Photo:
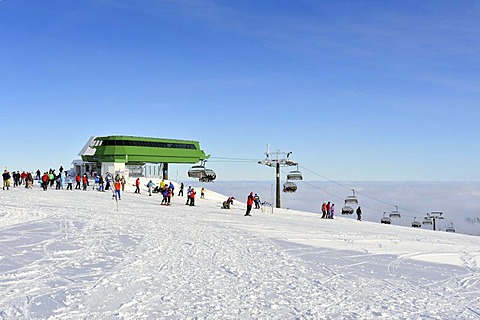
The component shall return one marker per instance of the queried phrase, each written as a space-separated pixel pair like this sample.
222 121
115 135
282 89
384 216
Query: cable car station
139 156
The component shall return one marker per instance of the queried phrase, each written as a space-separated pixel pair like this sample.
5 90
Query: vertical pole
165 171
271 197
433 223
278 184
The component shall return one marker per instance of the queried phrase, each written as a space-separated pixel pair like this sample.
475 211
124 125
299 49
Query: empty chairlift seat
294 175
395 213
196 171
427 221
450 229
351 200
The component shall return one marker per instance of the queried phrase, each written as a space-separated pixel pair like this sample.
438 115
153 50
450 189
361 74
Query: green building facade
137 156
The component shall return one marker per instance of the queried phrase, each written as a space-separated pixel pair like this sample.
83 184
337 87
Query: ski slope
72 255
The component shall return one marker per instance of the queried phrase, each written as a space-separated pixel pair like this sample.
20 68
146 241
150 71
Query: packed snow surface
76 255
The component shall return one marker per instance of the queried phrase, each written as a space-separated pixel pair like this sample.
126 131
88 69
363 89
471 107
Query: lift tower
434 215
277 159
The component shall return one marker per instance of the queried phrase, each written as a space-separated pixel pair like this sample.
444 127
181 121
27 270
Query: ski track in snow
72 255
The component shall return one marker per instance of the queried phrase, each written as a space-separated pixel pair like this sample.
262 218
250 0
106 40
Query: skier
192 197
332 211
69 182
227 203
359 214
181 190
100 184
85 182
256 198
250 200
118 187
123 181
188 195
45 181
150 185
6 179
77 180
324 210
202 193
137 186
96 183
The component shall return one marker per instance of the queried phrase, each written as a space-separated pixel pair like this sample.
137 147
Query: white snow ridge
72 255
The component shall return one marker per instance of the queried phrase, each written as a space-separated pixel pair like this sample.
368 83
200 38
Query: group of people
328 210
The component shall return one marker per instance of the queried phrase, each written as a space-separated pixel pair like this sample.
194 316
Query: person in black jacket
6 179
359 213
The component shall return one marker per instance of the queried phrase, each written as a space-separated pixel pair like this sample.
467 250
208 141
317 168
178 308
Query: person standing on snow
250 200
69 182
180 193
257 201
137 186
202 193
359 214
188 195
123 181
77 180
6 179
100 184
192 197
324 210
332 211
85 182
118 187
150 186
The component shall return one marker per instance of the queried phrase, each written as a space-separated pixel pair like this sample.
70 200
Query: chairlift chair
197 171
347 210
294 175
395 213
385 220
427 220
289 187
208 176
349 200
450 229
415 223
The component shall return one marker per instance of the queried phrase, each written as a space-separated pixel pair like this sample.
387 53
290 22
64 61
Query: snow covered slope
72 255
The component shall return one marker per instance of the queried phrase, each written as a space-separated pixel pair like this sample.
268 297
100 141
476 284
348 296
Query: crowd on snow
64 180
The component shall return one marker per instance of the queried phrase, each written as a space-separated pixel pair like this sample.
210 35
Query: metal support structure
277 201
434 215
277 162
165 171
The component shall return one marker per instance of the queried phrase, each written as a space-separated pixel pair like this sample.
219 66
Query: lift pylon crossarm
277 159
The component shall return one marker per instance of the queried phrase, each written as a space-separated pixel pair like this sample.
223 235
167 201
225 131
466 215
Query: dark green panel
139 150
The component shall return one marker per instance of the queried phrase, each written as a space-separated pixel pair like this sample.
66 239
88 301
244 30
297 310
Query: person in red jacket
137 186
192 197
250 200
45 179
85 181
118 187
78 179
324 210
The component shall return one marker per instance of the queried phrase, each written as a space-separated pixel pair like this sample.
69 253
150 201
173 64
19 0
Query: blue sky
357 90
